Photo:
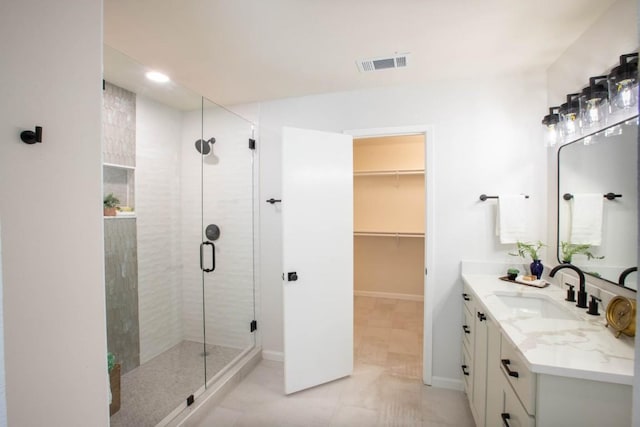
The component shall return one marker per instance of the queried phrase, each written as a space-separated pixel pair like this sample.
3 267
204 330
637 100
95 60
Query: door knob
292 276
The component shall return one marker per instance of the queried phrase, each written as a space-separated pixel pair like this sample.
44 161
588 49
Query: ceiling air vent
383 63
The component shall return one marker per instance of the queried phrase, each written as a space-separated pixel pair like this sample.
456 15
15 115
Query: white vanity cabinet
503 390
476 327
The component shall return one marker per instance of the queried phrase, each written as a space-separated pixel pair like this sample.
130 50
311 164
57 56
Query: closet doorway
389 252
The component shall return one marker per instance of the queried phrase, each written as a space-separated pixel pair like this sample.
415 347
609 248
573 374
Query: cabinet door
514 414
478 407
495 394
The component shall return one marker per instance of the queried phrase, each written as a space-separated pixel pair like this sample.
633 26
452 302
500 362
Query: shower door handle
213 257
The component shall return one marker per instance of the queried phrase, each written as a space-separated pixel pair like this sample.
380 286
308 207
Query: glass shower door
153 278
227 237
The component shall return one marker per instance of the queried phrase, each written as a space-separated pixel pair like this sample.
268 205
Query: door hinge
254 325
252 144
425 271
190 400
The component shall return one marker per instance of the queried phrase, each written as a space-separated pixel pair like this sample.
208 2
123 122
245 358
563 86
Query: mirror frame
559 196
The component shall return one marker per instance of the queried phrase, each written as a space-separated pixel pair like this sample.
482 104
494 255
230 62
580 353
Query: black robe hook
31 137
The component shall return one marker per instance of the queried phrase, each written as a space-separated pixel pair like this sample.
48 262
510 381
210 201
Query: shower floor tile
151 391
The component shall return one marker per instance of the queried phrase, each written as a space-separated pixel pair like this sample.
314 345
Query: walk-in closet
389 252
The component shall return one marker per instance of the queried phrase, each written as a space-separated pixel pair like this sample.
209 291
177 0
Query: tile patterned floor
384 390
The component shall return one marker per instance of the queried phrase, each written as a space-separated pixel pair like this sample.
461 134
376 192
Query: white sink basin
535 306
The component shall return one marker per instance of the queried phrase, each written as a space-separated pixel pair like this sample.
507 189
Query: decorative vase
109 211
537 268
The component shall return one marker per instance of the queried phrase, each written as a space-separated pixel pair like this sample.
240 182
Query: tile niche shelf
120 180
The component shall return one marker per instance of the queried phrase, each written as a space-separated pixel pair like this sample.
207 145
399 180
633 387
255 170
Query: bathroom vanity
530 358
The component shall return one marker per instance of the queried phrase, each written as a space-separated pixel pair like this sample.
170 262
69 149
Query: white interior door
317 223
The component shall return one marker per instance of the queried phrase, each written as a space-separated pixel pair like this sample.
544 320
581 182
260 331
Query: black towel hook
31 137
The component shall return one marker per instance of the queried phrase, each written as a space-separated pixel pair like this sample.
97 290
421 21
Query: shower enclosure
179 254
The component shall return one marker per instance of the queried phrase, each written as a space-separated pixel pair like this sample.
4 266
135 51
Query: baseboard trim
276 356
442 382
391 295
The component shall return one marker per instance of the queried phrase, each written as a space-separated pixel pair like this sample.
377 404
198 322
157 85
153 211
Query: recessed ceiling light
157 77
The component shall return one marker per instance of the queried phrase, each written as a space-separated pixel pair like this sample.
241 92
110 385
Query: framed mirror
598 203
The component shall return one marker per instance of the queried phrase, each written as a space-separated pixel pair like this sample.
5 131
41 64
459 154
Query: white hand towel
511 222
586 219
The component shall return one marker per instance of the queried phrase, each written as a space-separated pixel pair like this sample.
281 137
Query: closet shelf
389 172
387 234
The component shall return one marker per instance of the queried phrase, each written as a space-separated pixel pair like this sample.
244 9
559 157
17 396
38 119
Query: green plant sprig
110 201
570 249
528 249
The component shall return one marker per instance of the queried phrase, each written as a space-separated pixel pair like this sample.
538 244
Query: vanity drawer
466 371
521 379
514 414
467 329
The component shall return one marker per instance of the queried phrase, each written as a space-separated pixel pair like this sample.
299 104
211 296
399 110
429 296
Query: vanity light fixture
552 130
157 77
623 83
594 107
569 124
607 100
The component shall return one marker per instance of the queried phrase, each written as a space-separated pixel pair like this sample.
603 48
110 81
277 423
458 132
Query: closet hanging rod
608 196
389 172
387 234
484 197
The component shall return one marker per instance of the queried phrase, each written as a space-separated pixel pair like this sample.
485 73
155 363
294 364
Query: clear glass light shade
593 113
569 125
625 94
551 135
623 84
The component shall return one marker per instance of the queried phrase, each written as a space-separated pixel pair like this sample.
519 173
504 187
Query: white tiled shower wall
158 131
168 208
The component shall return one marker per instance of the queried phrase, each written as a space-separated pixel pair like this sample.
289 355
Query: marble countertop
578 348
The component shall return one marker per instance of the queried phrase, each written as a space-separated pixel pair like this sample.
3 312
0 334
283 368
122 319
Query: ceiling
240 51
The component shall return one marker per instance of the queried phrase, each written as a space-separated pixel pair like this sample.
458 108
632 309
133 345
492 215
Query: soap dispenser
593 306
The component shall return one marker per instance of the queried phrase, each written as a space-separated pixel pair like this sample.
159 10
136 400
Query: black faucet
582 293
625 273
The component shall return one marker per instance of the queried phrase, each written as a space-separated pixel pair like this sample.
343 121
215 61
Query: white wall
50 193
158 210
487 140
3 381
595 52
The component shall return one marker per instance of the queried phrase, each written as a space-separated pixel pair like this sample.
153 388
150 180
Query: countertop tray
540 285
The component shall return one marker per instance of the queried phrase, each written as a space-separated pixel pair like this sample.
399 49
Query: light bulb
569 124
551 135
593 112
626 95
